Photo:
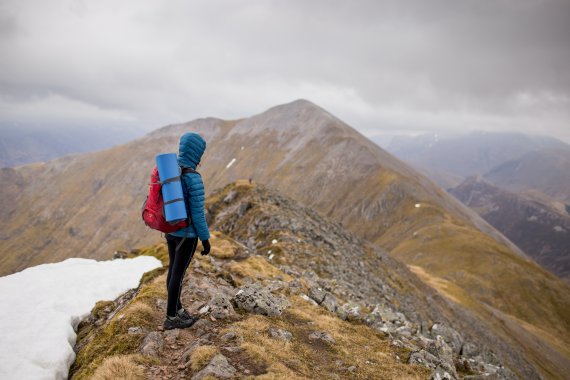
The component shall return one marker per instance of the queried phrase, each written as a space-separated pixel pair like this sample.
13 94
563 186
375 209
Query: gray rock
230 197
350 312
280 334
441 373
256 299
404 331
424 358
330 303
151 344
217 368
231 336
295 286
451 337
221 307
317 293
201 327
440 349
322 335
469 350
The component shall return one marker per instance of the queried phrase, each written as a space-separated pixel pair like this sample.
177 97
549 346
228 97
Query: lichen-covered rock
219 367
350 312
221 307
256 299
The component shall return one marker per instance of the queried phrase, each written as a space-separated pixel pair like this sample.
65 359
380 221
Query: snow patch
41 307
231 163
417 205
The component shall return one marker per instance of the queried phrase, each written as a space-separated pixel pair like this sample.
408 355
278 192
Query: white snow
231 163
40 308
274 241
417 205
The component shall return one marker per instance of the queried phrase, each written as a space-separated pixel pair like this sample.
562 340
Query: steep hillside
307 313
546 171
537 228
89 205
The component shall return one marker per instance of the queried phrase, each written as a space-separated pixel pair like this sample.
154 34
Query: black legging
179 261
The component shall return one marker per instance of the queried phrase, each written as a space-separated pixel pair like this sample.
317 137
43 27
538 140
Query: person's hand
206 245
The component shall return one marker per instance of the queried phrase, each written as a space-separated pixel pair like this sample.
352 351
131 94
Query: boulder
330 303
221 307
219 367
423 358
256 299
451 337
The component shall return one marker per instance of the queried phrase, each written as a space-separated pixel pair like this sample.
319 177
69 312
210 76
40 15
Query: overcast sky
382 66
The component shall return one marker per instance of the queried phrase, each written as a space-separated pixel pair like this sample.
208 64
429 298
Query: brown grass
257 267
202 356
119 367
356 345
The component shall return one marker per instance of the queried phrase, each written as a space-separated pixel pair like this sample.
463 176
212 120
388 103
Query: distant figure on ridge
182 243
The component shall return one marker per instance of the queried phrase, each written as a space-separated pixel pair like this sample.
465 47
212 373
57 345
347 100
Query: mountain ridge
341 174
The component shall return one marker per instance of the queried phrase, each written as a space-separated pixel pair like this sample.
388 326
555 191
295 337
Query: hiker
182 243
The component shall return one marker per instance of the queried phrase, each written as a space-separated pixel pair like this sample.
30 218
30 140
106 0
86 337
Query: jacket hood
192 147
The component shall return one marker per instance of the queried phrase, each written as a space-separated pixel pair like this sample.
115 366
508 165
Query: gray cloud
380 65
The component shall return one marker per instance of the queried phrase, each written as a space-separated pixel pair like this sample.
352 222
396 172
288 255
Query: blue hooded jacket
192 147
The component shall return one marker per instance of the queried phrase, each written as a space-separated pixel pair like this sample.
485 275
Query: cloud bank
382 66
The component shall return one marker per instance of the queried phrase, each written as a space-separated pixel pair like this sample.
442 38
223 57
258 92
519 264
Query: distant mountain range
536 227
21 144
470 154
88 205
546 171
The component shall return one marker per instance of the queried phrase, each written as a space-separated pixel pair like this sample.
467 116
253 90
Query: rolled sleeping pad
172 195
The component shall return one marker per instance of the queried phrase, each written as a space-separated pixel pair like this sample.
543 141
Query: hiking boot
177 322
182 313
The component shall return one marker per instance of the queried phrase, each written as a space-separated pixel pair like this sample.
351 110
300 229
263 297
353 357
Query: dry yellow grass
202 356
257 267
221 247
117 367
356 345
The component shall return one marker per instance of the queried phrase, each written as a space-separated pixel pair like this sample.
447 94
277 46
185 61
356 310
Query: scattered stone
217 368
201 327
256 299
451 337
349 312
221 307
135 330
423 358
351 368
151 344
440 373
280 334
317 293
330 303
322 335
120 255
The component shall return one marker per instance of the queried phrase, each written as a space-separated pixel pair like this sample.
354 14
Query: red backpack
153 207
